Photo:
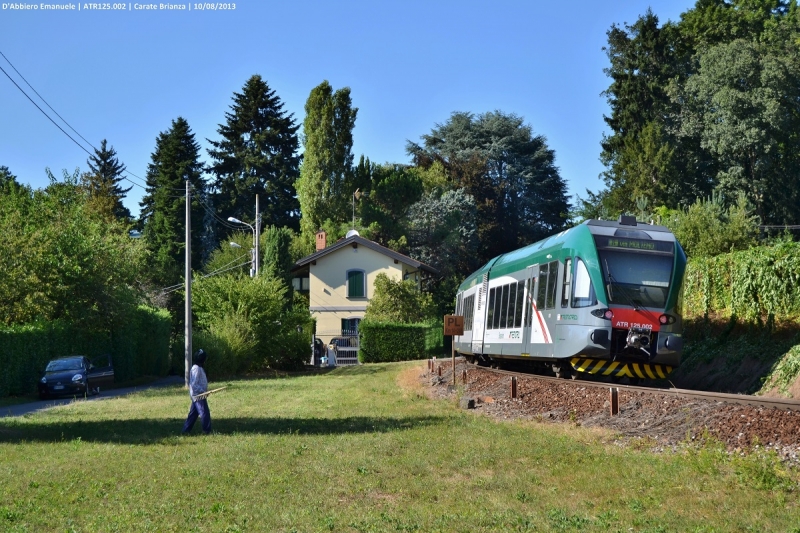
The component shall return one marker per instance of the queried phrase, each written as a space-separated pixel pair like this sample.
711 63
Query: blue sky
125 75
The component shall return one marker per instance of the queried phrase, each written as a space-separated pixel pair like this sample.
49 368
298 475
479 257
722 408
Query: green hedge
383 342
750 284
140 347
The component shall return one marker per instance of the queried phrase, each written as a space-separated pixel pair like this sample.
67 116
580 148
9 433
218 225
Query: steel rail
741 399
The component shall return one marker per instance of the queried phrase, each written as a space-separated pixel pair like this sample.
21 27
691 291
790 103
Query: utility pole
257 238
187 317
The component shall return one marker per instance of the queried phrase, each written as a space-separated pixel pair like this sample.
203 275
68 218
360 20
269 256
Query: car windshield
637 279
60 365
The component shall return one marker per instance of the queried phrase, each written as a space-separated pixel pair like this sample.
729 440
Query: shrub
748 284
139 346
383 342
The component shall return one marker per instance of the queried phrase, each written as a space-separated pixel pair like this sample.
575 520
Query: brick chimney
322 240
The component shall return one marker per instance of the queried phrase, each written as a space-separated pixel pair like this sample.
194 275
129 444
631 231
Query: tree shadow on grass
155 431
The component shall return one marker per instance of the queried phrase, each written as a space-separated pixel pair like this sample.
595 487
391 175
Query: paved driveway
25 408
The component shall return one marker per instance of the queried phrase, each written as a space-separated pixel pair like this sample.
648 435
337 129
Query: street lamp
254 251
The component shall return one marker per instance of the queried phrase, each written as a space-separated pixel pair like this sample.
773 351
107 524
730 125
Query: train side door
531 273
539 342
479 320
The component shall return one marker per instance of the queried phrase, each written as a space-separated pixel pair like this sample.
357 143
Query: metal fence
344 343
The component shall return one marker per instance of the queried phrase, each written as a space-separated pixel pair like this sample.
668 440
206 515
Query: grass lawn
359 449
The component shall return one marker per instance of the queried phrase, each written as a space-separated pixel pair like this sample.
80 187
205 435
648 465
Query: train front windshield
636 276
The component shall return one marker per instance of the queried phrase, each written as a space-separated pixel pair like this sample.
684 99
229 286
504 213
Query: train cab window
566 283
490 309
583 294
552 284
518 306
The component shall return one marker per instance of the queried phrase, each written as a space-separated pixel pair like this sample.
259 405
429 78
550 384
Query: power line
43 112
43 100
126 178
218 271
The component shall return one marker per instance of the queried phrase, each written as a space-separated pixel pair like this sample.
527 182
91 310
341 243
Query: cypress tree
326 177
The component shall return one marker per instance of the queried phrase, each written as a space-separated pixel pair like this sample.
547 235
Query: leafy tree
324 188
163 215
256 155
643 155
713 22
442 232
509 171
102 183
276 254
233 256
9 184
744 105
394 189
60 259
658 146
252 311
707 228
399 301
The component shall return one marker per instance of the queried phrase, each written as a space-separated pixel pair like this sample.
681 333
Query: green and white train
602 298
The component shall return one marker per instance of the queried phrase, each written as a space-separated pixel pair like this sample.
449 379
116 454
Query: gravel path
663 419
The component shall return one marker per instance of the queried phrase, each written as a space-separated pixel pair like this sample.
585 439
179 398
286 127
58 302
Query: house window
356 287
300 284
350 326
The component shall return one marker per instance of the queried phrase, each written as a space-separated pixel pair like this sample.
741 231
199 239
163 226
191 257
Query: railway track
664 417
740 399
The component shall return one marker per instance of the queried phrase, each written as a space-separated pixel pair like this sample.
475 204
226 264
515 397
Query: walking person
198 384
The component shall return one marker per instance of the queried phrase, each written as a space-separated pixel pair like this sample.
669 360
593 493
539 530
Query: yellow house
339 280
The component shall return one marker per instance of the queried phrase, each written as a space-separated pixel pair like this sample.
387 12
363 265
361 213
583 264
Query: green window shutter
355 284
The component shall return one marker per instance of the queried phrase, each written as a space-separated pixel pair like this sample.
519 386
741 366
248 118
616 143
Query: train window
519 304
552 283
531 282
566 283
635 278
469 303
542 290
583 294
490 310
500 300
512 301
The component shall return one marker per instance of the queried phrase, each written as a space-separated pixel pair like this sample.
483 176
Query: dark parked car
76 375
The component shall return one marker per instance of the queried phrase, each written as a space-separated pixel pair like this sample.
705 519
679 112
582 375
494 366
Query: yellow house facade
340 281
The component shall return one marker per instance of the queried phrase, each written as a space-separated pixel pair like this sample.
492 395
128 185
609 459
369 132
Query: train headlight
603 313
666 319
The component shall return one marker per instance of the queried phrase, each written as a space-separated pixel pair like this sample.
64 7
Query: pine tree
163 215
102 183
256 155
324 188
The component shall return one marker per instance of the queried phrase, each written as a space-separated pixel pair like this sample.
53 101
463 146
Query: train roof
576 237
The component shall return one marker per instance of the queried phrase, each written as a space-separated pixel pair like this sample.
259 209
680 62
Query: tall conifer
257 154
102 182
163 216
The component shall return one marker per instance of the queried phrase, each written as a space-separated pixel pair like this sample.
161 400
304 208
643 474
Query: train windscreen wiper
636 304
